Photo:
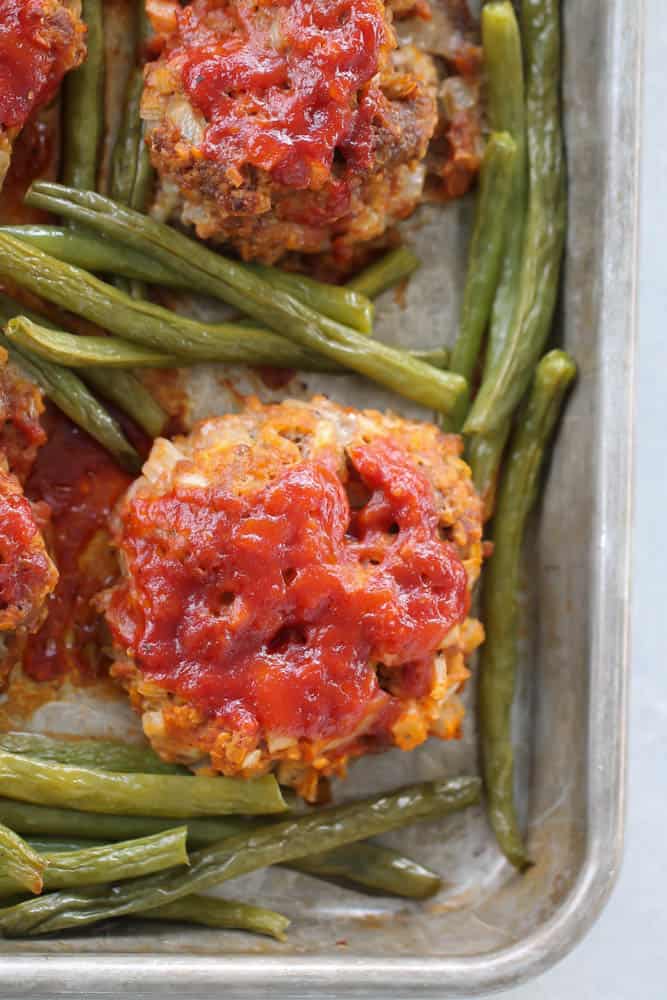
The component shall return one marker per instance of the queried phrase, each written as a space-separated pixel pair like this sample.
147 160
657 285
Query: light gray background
624 954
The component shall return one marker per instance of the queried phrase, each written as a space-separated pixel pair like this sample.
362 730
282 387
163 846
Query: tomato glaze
284 85
24 567
33 59
81 483
270 611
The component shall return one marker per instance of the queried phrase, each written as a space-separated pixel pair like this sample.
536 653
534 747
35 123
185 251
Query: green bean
84 104
124 161
71 396
252 295
86 250
336 301
20 863
500 590
110 862
544 235
135 794
51 845
226 914
103 755
390 270
276 843
80 351
38 335
129 394
377 868
361 864
485 258
503 61
143 323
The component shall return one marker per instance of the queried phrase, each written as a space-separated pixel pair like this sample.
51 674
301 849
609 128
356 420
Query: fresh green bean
272 844
485 258
102 755
226 914
136 794
108 863
362 864
503 60
71 396
544 236
20 863
129 394
79 351
88 251
387 272
84 104
500 590
254 296
339 302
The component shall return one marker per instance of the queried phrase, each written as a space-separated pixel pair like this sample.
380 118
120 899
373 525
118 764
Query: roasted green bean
129 394
143 323
108 863
544 236
84 104
19 863
71 396
361 864
339 302
125 154
254 296
500 591
226 914
46 783
387 272
88 251
485 258
503 60
272 844
79 351
102 755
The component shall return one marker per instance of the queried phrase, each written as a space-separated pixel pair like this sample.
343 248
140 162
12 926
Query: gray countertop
623 956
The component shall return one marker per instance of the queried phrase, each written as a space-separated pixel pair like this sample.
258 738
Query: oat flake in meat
295 588
290 126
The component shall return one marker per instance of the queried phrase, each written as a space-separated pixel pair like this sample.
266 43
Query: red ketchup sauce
284 85
23 568
266 610
31 66
80 483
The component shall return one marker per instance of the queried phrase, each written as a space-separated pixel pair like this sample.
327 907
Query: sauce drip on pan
80 483
284 86
272 610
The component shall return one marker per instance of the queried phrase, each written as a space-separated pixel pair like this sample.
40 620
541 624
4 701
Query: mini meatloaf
295 589
40 40
27 574
290 126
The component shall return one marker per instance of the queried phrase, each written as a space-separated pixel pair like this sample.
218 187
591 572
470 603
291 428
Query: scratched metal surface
488 927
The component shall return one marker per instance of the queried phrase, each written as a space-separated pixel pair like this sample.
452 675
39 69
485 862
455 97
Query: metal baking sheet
489 928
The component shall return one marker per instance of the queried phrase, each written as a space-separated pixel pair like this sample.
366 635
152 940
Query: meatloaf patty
40 40
27 574
295 588
289 126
